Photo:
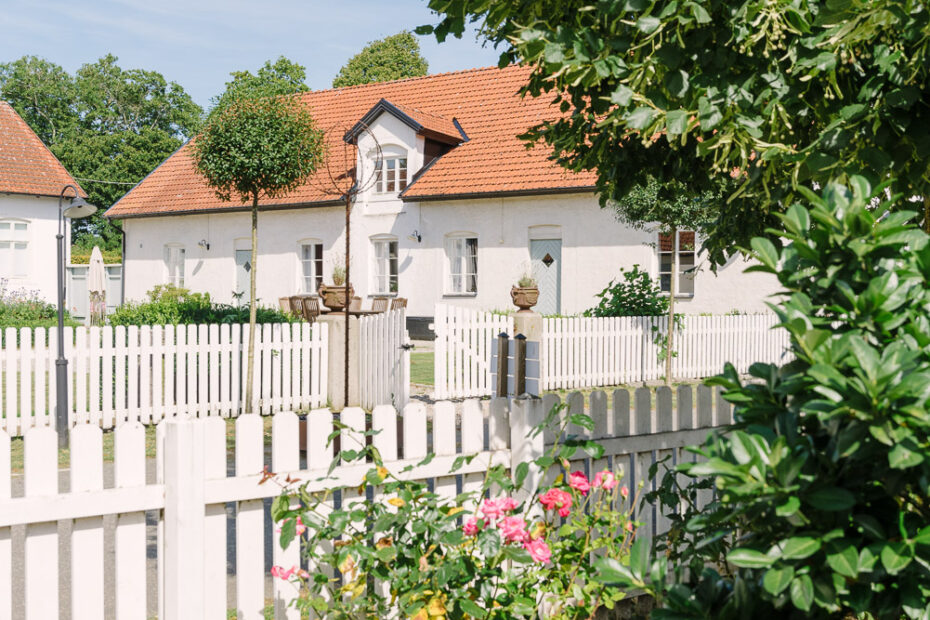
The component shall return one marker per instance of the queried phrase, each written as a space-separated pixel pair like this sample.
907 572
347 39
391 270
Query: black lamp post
77 209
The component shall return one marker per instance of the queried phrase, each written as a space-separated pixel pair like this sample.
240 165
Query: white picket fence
589 352
384 364
462 355
119 374
193 486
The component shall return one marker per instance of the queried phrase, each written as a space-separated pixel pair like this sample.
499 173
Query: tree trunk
927 213
250 365
348 298
670 333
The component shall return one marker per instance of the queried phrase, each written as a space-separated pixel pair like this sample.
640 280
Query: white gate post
184 520
526 413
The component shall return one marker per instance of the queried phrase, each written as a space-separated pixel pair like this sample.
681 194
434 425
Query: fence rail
463 350
384 364
193 486
118 374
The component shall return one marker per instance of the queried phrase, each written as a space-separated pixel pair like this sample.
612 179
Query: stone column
530 324
336 370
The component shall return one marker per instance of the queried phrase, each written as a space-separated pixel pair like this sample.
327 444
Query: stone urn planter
524 297
334 296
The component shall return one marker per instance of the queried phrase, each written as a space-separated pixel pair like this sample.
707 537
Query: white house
31 180
459 209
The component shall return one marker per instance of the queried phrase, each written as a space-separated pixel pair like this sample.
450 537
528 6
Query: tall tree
791 92
252 148
107 125
283 77
391 58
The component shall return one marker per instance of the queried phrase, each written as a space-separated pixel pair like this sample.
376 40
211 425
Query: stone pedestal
530 324
335 387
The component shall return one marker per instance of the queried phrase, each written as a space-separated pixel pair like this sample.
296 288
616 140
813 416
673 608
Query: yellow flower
436 607
396 501
455 511
420 615
383 472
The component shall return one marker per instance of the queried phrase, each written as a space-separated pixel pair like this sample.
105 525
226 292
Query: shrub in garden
823 486
22 308
634 293
412 553
172 305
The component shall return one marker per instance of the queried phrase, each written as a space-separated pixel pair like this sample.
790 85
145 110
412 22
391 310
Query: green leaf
799 547
288 531
676 122
765 252
802 592
489 542
831 499
471 608
639 557
790 507
901 457
843 558
517 554
677 83
622 95
640 118
648 24
777 579
896 556
749 558
612 572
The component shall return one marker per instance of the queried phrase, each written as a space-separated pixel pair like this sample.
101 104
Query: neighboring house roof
492 161
26 164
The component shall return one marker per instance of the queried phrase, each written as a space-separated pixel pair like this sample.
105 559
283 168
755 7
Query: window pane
686 241
402 174
318 264
472 265
665 243
665 282
392 258
665 263
4 226
20 259
686 284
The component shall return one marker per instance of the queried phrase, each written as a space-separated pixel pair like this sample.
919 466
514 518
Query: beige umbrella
97 287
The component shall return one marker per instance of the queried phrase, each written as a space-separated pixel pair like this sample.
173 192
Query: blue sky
198 42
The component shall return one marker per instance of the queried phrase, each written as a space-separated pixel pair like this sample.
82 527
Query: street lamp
77 209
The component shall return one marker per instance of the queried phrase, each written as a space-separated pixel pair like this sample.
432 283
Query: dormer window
392 177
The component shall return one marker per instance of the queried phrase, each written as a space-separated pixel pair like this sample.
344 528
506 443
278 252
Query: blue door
546 260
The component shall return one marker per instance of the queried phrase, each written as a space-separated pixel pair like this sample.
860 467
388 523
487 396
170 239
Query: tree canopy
283 77
104 123
777 95
391 58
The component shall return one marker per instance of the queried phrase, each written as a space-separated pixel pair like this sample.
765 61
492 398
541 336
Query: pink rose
299 529
624 492
471 527
557 499
280 573
491 509
605 480
629 526
578 481
514 529
507 504
538 549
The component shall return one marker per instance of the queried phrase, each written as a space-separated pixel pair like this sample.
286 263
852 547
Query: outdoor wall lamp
77 209
203 243
415 236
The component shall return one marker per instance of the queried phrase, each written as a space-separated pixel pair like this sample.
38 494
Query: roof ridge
357 87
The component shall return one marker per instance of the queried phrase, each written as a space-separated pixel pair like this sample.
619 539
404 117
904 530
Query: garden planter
524 298
334 297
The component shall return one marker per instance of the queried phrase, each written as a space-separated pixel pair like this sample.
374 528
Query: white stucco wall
41 214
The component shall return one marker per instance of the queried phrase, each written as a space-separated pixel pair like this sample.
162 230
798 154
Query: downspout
122 288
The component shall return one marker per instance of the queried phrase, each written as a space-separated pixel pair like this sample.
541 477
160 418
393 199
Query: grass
421 368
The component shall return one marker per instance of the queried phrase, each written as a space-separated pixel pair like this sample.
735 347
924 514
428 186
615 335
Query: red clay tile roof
483 101
26 165
433 122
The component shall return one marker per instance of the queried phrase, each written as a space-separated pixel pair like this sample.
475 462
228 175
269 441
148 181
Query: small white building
31 180
460 209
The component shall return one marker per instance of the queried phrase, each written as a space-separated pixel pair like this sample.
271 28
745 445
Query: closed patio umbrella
97 288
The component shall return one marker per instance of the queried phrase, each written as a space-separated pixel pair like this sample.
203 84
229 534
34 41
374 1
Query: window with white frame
311 266
392 177
14 249
384 251
462 264
174 265
684 245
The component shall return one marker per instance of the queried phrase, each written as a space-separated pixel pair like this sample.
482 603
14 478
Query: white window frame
309 269
461 268
384 266
392 177
174 255
688 271
15 237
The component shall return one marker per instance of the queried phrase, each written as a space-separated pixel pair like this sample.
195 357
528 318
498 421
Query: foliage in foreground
824 485
170 305
415 553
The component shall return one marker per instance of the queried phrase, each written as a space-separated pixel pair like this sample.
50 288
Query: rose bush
405 551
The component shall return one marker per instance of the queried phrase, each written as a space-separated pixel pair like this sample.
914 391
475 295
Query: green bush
171 305
823 485
634 293
22 308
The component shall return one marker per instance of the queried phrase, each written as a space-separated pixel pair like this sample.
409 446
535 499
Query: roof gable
485 103
27 166
432 126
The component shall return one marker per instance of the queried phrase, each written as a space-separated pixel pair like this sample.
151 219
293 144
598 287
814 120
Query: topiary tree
823 485
257 148
391 58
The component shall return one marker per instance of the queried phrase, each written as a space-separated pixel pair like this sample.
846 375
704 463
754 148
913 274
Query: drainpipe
122 288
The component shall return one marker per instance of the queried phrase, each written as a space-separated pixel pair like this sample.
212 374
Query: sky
197 43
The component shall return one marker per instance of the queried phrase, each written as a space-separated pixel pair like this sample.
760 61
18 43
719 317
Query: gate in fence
462 358
384 359
118 374
193 486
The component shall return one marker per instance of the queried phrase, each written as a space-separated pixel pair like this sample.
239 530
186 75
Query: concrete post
530 324
336 360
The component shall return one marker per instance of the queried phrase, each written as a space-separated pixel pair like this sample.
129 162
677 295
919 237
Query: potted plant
525 293
333 296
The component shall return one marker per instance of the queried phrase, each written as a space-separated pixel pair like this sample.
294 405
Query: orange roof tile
484 102
26 164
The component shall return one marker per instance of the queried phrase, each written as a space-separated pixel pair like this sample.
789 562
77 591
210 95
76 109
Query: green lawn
421 368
